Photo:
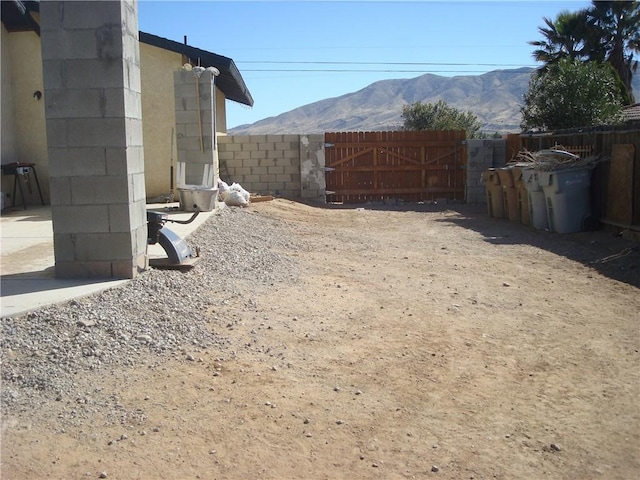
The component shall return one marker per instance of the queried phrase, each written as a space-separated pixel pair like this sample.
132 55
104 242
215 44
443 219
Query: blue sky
292 53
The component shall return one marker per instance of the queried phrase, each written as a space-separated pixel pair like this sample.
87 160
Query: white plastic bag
223 188
236 196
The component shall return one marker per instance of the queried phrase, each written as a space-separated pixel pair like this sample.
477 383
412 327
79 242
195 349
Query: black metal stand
22 169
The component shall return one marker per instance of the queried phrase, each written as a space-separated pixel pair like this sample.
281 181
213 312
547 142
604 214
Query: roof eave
230 81
16 16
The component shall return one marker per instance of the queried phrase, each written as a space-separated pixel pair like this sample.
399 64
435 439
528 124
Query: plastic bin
521 193
197 195
568 198
509 194
535 196
495 202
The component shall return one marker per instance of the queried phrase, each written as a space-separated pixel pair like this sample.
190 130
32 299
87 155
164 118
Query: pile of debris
556 158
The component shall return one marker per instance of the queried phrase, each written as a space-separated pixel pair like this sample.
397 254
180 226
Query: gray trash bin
536 200
568 198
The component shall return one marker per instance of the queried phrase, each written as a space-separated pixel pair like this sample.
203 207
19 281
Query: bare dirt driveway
408 342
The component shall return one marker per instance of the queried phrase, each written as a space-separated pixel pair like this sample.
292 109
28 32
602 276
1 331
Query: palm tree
564 37
617 26
608 32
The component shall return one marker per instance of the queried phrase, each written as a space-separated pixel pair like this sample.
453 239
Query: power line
373 70
340 70
278 62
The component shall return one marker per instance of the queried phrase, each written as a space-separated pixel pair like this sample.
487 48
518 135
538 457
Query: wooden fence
615 182
412 166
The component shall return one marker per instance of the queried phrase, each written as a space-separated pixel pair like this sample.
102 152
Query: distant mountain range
494 97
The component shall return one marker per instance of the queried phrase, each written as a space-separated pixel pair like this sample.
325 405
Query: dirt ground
421 342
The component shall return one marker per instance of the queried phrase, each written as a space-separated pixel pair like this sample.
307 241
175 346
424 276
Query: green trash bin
509 194
535 195
495 203
522 196
568 198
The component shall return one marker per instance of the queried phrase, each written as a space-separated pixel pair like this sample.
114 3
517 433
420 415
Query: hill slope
495 97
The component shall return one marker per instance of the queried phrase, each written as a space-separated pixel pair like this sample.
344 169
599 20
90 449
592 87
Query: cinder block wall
281 165
292 166
312 165
482 154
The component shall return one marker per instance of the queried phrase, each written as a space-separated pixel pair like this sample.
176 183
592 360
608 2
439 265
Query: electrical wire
372 70
271 62
311 70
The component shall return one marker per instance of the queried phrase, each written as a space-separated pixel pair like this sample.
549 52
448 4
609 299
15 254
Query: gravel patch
159 314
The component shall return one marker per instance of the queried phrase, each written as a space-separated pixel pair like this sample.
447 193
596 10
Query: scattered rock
103 475
158 313
555 447
435 468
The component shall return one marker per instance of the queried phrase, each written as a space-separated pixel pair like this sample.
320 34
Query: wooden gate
412 166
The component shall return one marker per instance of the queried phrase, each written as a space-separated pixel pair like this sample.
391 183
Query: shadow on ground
605 251
602 250
38 281
34 214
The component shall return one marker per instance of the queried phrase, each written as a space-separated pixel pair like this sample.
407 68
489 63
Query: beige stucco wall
29 142
23 117
8 131
221 112
158 116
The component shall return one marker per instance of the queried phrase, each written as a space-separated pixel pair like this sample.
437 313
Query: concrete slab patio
27 280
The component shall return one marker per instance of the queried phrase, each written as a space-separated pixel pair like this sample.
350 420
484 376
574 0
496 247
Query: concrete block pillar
312 173
479 158
195 123
91 67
